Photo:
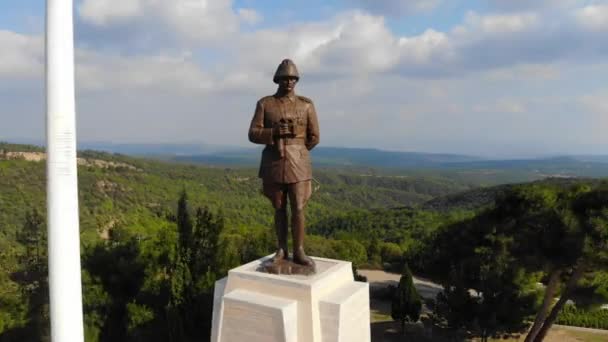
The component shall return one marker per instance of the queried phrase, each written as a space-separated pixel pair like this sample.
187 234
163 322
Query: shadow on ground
415 332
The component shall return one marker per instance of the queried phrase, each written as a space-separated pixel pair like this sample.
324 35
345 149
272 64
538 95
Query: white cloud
188 20
249 16
594 17
165 73
361 43
106 12
509 106
21 55
524 5
397 7
357 42
536 72
353 43
349 43
422 49
201 19
486 42
597 103
487 79
594 111
97 72
497 24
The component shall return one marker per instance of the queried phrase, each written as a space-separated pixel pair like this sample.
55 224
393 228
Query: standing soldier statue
287 124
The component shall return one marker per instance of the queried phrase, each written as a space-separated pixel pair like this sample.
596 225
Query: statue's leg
280 223
278 196
299 193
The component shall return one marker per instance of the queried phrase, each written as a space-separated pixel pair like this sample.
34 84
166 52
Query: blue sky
19 15
502 78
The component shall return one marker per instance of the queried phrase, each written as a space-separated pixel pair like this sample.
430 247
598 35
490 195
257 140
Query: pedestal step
328 306
344 314
255 317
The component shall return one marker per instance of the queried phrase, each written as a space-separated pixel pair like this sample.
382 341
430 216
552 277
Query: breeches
299 193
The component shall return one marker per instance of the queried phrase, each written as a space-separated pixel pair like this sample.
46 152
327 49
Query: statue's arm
258 134
312 128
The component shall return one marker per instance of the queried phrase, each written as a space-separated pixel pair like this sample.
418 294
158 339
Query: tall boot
280 224
298 232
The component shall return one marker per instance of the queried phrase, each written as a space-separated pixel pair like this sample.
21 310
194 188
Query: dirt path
591 330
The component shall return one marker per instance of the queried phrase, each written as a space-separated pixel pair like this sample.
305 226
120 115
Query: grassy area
380 311
391 332
380 317
564 335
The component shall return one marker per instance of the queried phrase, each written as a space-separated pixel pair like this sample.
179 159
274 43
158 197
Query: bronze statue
287 124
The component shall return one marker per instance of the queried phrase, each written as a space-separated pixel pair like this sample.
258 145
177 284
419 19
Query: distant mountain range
247 156
157 149
326 156
338 157
361 159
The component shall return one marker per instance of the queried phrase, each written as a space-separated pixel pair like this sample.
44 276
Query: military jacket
294 164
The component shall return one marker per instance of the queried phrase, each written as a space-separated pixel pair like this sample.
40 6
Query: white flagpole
62 184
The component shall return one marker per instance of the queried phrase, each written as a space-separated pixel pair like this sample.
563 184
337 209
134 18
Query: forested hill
156 235
134 193
411 227
128 192
478 198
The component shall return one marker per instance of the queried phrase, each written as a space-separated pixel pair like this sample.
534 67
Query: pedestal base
254 306
286 267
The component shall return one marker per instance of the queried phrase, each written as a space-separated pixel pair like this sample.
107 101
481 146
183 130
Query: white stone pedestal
329 306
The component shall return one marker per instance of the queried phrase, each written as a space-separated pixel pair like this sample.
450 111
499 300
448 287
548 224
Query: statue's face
288 83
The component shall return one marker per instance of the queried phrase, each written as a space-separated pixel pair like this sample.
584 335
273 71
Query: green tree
357 275
184 226
558 231
406 304
33 276
486 290
204 248
374 252
193 273
588 234
483 291
115 275
531 230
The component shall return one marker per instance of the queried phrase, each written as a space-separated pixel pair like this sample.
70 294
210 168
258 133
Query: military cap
286 69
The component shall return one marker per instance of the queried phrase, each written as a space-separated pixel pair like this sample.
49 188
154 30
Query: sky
493 78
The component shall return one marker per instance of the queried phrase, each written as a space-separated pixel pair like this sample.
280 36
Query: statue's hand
283 130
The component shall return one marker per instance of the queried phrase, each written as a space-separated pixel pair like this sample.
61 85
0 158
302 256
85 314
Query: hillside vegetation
129 205
156 235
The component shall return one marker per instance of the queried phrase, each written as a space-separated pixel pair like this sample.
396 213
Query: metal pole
62 184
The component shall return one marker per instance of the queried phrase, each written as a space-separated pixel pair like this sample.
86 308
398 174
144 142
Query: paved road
429 290
378 278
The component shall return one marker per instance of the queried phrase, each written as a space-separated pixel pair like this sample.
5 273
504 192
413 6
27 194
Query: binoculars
285 123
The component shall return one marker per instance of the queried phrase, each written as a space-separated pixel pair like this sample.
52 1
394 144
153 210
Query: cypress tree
184 227
407 304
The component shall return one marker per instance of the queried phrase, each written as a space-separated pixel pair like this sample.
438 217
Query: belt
294 141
